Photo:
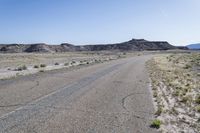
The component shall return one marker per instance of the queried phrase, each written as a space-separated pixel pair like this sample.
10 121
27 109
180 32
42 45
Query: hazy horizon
99 22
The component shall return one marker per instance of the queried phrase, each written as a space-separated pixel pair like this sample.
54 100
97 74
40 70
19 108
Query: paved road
112 97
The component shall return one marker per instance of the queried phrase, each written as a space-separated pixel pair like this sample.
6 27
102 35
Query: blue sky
99 21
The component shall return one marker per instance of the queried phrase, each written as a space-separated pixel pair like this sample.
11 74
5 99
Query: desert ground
14 65
176 91
134 92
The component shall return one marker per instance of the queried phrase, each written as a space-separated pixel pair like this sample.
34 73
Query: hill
132 45
194 46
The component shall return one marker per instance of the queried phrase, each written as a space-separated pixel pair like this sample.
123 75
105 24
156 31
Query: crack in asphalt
124 99
37 84
7 106
134 113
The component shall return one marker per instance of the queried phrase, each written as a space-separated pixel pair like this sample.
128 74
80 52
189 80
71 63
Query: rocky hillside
132 45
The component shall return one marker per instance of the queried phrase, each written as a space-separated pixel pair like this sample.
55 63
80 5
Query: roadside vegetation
176 90
12 65
43 65
156 123
56 64
36 66
21 68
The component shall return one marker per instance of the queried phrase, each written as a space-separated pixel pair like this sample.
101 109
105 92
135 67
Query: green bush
156 123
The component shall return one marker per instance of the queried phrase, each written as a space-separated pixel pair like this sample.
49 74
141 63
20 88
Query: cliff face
132 45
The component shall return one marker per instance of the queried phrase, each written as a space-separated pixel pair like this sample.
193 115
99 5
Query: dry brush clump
175 86
43 65
56 64
36 66
21 68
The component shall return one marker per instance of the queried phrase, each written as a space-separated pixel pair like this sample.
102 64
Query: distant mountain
132 45
182 47
194 46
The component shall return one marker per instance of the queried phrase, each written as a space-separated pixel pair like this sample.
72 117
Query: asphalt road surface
112 97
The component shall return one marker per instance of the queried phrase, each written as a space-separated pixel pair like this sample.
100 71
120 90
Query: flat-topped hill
132 45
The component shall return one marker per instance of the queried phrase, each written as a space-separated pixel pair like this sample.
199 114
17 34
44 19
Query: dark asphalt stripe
39 107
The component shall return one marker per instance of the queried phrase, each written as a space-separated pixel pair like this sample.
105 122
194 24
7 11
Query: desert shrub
197 99
66 64
73 62
186 99
36 66
198 109
187 66
176 93
159 111
183 93
56 63
155 94
43 65
156 123
41 71
87 63
21 68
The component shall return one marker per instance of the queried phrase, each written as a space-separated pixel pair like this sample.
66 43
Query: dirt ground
13 65
176 90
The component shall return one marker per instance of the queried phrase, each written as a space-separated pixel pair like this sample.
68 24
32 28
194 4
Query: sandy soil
176 89
10 64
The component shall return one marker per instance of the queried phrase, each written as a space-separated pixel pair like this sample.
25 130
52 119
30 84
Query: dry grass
176 85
